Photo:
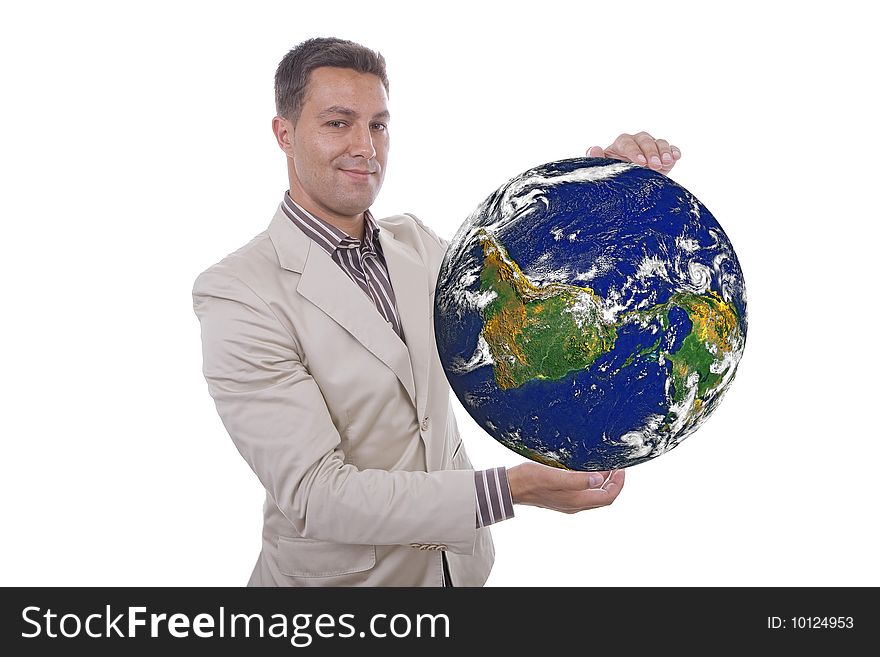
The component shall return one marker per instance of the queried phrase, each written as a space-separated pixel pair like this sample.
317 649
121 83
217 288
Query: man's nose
362 143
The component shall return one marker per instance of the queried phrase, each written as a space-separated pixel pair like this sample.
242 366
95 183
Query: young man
319 353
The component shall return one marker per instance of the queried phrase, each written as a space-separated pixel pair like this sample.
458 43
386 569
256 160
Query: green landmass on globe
547 331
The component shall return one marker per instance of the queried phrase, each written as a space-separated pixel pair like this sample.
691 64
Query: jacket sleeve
275 414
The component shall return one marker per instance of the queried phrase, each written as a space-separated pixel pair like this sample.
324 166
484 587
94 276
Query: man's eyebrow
347 111
337 109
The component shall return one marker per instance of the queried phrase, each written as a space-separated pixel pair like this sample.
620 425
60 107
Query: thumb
573 479
595 151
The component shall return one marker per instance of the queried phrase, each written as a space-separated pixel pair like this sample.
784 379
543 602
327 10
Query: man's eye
380 127
336 124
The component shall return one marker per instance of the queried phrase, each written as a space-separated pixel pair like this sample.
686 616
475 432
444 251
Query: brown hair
293 72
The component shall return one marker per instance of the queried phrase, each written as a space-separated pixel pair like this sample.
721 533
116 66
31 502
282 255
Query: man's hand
640 149
568 491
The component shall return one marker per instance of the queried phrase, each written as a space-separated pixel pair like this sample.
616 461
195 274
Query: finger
665 151
648 146
575 481
626 148
676 155
595 151
572 480
594 480
557 479
616 477
669 154
607 493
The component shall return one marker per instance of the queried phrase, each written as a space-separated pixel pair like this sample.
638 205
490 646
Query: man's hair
293 72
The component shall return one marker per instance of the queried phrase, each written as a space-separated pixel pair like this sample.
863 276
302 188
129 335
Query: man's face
340 143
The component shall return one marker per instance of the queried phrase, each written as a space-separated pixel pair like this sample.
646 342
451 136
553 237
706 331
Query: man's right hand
568 491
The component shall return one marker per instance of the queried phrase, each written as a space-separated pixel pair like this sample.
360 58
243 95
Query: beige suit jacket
351 432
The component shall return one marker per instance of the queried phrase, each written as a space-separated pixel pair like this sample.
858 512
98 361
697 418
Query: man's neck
353 227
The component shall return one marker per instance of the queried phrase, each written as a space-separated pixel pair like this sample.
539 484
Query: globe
590 314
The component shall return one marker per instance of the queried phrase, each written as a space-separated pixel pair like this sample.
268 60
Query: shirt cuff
494 501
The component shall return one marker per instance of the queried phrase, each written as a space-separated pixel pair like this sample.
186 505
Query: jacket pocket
306 557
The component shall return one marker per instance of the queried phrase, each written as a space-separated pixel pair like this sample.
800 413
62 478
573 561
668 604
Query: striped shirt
363 262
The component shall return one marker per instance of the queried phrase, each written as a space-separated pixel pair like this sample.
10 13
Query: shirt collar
326 234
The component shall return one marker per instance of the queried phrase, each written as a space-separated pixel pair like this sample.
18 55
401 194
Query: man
319 353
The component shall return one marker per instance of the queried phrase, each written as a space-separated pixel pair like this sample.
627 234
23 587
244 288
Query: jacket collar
325 285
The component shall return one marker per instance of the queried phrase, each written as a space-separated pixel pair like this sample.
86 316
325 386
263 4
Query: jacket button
425 424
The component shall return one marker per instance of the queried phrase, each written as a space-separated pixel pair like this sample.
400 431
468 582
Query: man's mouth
358 174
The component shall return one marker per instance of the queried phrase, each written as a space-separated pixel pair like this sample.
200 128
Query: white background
137 150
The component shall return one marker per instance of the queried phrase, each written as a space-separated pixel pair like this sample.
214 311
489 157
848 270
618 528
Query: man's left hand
641 149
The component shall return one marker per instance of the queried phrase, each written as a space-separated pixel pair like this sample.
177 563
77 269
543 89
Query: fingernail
641 158
595 481
667 158
655 160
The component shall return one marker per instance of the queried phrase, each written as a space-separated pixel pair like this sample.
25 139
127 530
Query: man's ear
283 130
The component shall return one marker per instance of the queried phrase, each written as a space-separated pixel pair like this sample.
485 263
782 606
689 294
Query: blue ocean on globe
590 314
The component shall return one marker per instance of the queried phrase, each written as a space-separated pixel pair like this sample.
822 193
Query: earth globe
590 314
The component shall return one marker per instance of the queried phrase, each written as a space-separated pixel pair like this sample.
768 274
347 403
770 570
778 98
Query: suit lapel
409 278
330 289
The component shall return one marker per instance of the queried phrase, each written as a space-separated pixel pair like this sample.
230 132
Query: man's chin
350 207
